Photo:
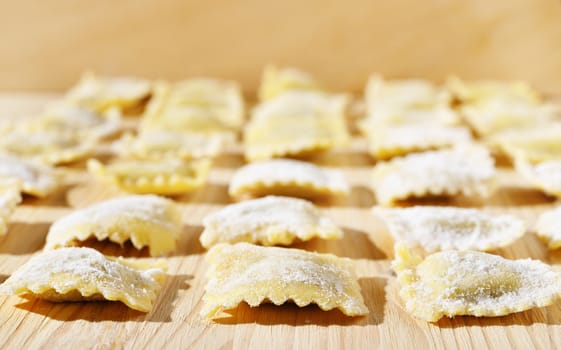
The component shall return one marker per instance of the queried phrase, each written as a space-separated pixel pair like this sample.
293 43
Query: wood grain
175 323
47 44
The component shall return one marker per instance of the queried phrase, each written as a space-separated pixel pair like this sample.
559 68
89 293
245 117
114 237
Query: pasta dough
444 228
464 169
546 175
287 177
145 220
456 283
270 220
84 274
169 177
245 272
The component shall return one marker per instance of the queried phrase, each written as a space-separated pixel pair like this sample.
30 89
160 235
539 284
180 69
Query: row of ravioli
264 278
456 280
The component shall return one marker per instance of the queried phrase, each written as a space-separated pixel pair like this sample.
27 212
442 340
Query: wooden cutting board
175 322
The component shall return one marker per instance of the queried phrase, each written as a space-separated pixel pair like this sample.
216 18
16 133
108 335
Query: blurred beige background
47 44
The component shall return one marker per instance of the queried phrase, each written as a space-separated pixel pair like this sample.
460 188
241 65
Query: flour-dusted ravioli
296 123
384 95
144 220
10 197
167 176
391 141
454 283
546 175
63 117
168 144
444 228
196 105
467 170
537 144
548 228
84 274
396 116
287 177
47 146
34 178
484 90
495 116
254 274
276 81
270 220
102 93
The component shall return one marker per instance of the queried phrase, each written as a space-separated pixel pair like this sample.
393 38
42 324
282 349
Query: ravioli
271 220
287 177
402 116
196 106
548 228
47 146
102 93
485 90
546 175
84 274
496 116
296 123
276 81
388 142
167 177
247 273
454 283
537 144
443 228
144 220
385 95
10 197
33 178
467 170
168 145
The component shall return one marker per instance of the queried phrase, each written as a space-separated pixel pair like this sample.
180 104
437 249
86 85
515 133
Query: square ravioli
10 197
102 93
545 176
454 283
398 116
254 274
166 176
467 170
496 116
385 95
484 90
270 220
276 81
294 124
443 228
287 177
196 105
386 142
64 118
84 274
157 145
47 146
536 144
144 220
548 228
33 178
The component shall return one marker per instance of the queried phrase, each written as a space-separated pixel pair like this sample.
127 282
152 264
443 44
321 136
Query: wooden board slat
175 323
